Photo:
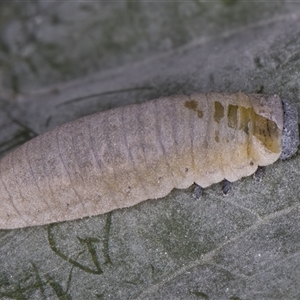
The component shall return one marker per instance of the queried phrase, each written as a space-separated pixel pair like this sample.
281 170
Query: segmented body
121 157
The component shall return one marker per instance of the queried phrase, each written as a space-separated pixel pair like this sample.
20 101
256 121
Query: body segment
124 156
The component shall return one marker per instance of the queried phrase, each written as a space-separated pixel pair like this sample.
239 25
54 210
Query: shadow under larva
123 156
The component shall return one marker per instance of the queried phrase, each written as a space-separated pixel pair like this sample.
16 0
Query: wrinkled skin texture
121 157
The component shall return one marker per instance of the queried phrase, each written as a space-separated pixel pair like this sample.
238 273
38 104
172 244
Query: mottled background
60 60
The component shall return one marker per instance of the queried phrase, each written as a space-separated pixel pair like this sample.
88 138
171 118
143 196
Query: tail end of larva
290 136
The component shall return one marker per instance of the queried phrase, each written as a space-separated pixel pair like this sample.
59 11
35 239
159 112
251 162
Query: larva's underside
126 155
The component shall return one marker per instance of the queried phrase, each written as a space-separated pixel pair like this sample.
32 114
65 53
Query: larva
126 155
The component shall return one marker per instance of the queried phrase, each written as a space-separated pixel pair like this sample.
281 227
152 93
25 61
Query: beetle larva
124 156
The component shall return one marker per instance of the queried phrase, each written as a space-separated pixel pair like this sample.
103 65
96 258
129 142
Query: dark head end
290 136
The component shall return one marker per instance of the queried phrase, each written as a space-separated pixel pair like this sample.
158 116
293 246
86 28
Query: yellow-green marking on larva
192 104
232 118
219 112
265 130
